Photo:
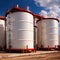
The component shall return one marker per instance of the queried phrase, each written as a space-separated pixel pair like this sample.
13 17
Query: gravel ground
49 56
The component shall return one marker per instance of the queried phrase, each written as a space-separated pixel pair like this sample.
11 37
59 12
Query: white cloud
51 14
47 3
52 8
43 13
42 2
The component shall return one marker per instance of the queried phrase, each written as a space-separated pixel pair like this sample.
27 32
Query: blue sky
8 4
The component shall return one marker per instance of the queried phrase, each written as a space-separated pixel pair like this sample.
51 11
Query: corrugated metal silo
19 29
48 33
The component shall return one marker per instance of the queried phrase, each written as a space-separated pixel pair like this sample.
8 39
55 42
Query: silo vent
17 6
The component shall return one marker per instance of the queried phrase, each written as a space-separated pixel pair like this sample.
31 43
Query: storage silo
2 32
35 37
19 29
48 33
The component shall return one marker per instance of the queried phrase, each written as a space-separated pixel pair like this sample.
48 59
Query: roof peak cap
17 5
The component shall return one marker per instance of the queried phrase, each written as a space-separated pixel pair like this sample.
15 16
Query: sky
8 4
47 8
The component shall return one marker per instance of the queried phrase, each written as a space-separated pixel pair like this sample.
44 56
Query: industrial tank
48 33
19 29
35 37
2 32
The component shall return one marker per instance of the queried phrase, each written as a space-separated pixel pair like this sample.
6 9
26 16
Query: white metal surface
19 30
59 40
2 33
48 33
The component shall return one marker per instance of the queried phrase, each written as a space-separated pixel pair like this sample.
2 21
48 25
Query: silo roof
52 18
17 9
38 16
49 18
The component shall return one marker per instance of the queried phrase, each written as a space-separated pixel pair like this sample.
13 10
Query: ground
49 56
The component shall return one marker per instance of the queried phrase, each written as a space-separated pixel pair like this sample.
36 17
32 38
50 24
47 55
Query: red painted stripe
20 49
51 18
16 9
2 17
48 19
49 47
